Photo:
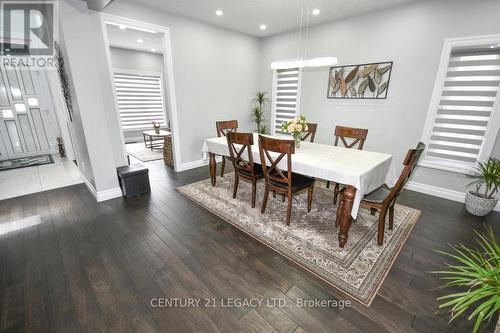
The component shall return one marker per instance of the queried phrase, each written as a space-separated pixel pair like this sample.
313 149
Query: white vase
479 206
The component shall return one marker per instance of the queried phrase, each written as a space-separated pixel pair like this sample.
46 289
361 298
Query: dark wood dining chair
244 169
311 132
343 134
384 198
279 180
224 127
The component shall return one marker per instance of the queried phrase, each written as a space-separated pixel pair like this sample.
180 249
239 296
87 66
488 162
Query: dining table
359 171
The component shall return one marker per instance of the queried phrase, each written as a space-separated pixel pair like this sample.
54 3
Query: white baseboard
112 193
192 165
440 192
101 196
196 164
90 187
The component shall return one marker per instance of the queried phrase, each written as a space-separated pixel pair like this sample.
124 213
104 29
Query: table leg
151 142
145 141
345 214
212 166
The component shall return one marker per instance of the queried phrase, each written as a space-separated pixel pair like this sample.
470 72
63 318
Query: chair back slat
270 164
410 162
358 134
311 132
223 127
238 143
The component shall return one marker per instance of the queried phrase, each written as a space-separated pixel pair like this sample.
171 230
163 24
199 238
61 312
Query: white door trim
168 74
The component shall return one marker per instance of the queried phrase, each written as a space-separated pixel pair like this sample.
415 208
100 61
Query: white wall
216 73
136 60
92 130
78 134
410 35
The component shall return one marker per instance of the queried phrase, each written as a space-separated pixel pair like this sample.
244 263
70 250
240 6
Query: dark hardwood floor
68 264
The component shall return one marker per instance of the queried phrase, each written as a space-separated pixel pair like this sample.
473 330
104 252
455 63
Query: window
20 107
32 101
7 113
140 100
286 96
462 125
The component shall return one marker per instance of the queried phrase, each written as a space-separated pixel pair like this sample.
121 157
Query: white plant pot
479 206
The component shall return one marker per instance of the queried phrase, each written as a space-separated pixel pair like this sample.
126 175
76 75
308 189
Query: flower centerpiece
156 126
295 127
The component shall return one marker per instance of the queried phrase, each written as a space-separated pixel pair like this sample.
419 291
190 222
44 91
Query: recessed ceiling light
263 27
316 11
153 50
121 26
219 12
140 40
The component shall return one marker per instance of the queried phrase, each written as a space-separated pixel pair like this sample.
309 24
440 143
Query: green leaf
477 272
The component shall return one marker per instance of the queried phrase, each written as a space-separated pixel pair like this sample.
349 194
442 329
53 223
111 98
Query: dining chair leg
274 194
289 208
309 198
336 193
381 227
327 184
254 192
373 211
391 217
236 183
223 165
264 200
283 197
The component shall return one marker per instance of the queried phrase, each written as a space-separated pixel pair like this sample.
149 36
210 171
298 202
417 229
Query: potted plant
258 108
487 178
296 127
477 273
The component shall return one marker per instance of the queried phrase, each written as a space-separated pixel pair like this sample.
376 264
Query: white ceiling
127 39
278 15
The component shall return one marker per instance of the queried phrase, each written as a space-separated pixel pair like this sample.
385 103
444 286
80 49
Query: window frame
274 93
140 73
493 124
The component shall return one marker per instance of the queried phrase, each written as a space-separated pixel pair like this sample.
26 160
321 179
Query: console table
154 139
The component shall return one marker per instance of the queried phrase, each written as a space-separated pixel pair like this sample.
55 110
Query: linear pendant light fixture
304 62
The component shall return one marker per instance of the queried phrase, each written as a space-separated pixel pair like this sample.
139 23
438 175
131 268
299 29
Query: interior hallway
22 181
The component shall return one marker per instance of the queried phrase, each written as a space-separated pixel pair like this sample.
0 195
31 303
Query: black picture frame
362 83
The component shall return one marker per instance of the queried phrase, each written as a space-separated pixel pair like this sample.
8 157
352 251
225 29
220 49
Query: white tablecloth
365 170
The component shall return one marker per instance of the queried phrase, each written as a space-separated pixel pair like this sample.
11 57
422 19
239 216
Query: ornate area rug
357 270
24 162
142 153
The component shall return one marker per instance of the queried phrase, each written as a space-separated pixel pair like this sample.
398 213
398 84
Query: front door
25 127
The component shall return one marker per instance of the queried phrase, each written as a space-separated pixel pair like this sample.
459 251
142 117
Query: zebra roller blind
466 105
286 96
140 100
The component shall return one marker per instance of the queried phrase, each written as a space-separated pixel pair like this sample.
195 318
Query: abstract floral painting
366 81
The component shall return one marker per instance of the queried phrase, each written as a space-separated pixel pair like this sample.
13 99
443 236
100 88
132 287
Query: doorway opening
140 63
36 149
